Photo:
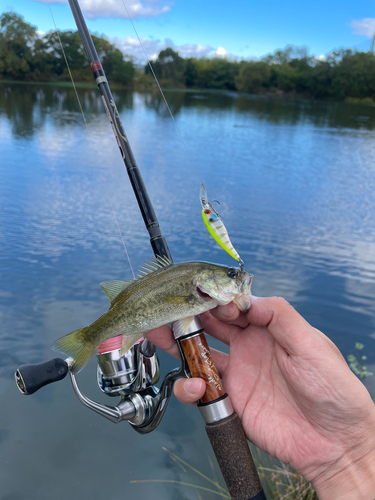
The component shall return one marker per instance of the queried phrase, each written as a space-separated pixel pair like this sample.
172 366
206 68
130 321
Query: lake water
296 182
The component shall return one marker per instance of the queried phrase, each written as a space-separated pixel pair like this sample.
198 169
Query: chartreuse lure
215 226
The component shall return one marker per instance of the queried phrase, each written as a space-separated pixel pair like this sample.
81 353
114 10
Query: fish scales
169 294
142 308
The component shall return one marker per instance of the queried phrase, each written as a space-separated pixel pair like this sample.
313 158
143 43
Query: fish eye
232 273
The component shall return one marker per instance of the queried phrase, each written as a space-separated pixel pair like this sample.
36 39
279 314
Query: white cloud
93 9
364 27
221 52
193 50
131 46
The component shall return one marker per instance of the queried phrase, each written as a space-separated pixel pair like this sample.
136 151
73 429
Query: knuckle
281 303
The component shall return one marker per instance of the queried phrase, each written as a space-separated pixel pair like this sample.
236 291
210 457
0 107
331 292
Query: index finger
284 323
163 338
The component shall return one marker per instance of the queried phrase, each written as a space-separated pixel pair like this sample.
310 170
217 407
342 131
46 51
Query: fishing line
91 141
215 227
161 91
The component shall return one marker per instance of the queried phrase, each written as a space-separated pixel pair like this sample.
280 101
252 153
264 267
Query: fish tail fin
76 346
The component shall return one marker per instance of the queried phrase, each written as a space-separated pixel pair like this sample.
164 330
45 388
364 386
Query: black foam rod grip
232 452
31 378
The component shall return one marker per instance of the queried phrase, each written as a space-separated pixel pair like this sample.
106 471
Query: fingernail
227 311
193 386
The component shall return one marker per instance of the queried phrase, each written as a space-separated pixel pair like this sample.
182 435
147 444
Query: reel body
131 377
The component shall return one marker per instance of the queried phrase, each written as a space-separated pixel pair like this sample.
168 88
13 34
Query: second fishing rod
223 426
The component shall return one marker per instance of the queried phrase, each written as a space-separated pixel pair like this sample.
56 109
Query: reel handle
31 378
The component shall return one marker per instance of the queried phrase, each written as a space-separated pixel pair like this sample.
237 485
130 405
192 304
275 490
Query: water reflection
27 107
308 191
296 183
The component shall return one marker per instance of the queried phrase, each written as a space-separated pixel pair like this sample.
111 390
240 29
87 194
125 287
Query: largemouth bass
166 293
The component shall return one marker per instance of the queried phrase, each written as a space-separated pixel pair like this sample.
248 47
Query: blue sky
242 28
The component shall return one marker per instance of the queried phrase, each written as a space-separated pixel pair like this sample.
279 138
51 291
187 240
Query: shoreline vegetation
27 57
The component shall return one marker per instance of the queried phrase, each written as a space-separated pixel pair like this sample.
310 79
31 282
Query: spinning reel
131 377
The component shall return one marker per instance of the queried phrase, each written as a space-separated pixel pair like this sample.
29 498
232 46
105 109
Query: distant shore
365 101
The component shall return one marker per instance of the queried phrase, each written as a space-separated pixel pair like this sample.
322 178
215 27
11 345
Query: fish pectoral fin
177 299
181 326
113 288
128 341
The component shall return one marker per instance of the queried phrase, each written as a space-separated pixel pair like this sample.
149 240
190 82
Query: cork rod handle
234 458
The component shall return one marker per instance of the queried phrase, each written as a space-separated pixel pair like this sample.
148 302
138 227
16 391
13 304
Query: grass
365 101
62 84
279 481
356 366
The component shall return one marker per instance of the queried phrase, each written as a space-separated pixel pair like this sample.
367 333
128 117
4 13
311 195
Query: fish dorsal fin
113 288
154 264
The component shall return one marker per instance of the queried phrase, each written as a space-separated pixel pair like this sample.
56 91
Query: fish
166 292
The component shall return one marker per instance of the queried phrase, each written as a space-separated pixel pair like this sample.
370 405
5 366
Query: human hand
294 392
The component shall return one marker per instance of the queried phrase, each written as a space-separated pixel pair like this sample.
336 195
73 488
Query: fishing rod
133 375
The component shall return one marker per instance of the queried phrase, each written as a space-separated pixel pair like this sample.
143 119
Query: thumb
189 390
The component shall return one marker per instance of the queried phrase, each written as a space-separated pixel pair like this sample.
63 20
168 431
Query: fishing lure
215 226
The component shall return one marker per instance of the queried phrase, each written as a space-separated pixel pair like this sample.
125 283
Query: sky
244 29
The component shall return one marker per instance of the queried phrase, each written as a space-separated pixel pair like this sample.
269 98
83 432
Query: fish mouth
245 286
243 302
205 296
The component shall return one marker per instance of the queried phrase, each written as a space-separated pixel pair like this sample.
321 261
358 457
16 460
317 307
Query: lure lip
203 196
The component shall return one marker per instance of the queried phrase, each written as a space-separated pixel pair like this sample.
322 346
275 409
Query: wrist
352 477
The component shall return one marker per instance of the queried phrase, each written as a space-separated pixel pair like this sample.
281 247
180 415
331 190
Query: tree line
344 73
25 55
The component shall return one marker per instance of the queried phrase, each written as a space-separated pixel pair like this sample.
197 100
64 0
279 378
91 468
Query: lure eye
207 211
232 273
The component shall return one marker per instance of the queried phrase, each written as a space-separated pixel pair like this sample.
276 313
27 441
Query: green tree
118 67
319 80
169 66
254 77
287 55
222 74
190 73
24 55
54 57
284 77
354 75
17 40
216 73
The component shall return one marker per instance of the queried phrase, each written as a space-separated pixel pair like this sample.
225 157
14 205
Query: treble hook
216 212
241 266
